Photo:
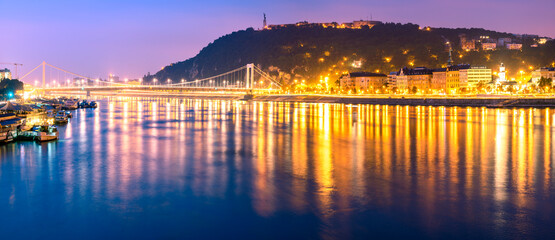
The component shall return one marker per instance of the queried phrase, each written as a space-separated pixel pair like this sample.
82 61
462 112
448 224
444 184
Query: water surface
155 168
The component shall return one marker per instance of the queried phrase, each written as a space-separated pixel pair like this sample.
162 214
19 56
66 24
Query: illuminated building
392 80
514 46
467 44
543 72
5 74
448 79
439 79
502 42
408 78
352 25
543 40
489 46
470 77
363 80
502 77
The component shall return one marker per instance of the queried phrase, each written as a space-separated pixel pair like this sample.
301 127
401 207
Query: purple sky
129 38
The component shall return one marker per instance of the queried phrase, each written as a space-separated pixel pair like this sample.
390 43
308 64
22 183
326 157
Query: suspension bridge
248 78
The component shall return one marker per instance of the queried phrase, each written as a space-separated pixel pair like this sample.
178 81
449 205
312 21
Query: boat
61 117
69 114
70 105
43 133
85 104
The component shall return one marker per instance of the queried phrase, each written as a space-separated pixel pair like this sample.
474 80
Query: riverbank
416 101
474 101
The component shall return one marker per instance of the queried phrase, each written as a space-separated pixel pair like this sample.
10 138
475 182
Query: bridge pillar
249 77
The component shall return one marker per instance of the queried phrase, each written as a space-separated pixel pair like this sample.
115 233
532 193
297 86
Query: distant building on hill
351 25
487 46
5 74
514 46
467 44
502 42
363 80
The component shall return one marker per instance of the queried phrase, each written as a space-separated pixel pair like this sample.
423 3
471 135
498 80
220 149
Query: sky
130 38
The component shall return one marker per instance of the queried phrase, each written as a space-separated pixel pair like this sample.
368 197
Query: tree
9 87
545 82
414 90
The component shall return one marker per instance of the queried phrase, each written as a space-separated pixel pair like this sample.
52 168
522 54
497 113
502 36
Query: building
5 74
470 77
502 73
514 46
448 80
363 81
361 23
352 25
392 80
543 72
113 78
439 79
467 44
410 78
487 46
502 42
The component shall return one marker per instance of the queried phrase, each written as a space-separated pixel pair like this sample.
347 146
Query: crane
15 64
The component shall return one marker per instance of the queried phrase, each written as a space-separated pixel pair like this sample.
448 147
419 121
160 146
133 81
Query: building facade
489 46
514 46
543 72
411 78
471 77
363 81
439 79
5 74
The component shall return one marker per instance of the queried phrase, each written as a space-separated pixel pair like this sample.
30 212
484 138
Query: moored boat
61 117
43 133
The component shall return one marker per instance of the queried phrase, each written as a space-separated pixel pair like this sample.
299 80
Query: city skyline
118 38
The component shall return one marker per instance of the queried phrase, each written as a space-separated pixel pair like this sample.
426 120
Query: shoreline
475 101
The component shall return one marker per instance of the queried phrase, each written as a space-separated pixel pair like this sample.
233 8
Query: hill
310 53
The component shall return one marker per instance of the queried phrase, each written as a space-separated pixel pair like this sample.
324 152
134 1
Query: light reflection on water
268 169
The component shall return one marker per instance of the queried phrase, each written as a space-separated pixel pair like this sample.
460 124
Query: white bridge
248 78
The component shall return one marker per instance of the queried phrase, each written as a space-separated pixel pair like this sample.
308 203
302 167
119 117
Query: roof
459 67
366 74
415 71
10 121
7 115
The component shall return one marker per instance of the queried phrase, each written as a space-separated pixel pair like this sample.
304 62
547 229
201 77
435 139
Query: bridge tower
249 77
43 74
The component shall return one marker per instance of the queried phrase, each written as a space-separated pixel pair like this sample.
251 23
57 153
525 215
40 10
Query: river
159 168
